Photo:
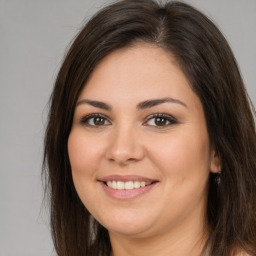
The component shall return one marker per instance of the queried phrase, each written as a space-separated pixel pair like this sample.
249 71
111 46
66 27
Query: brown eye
160 120
95 120
98 121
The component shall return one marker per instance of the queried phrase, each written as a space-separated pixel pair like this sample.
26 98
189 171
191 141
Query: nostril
123 147
124 157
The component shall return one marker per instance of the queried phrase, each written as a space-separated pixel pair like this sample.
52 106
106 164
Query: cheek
184 155
84 159
184 164
84 154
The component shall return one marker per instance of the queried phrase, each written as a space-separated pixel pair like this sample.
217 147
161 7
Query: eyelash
165 119
85 120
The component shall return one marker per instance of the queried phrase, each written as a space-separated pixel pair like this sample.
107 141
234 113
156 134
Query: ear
215 164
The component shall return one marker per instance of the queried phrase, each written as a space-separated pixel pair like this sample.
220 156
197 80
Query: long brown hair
209 65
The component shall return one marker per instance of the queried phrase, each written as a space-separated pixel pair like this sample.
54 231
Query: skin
170 218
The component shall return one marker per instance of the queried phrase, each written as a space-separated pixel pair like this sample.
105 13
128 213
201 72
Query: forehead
139 72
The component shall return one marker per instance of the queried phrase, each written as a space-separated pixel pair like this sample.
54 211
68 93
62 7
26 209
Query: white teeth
114 184
136 184
120 185
127 185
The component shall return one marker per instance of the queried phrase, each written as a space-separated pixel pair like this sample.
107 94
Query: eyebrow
95 103
140 106
155 102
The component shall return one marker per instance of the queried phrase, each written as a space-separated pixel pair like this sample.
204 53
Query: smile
128 185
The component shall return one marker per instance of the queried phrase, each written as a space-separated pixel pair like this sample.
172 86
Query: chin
127 225
128 231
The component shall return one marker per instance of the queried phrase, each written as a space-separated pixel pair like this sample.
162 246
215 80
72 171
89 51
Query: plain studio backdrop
34 36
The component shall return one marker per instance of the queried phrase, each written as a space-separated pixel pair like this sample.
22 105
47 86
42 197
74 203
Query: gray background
33 38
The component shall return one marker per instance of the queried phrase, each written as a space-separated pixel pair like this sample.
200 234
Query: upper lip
124 178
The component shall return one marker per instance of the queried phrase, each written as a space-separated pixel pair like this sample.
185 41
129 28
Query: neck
182 241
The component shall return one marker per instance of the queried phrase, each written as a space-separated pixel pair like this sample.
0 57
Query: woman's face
139 148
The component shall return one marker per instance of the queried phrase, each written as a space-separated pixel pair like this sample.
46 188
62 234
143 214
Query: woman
150 144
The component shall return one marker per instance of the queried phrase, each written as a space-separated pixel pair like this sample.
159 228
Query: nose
125 146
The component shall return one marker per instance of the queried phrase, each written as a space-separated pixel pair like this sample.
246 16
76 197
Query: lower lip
126 194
